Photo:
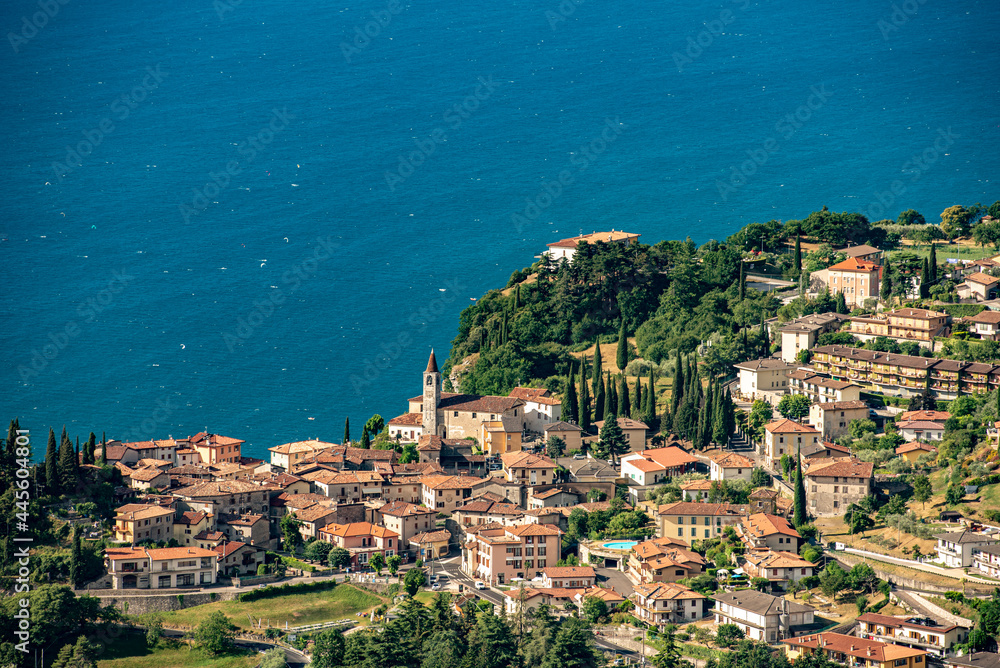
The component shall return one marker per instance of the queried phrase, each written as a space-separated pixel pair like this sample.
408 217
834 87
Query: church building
454 415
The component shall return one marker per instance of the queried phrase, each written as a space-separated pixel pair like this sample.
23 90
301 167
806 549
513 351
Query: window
680 520
680 532
473 416
456 413
708 533
708 521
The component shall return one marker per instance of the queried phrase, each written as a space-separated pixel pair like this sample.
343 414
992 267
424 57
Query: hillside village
831 492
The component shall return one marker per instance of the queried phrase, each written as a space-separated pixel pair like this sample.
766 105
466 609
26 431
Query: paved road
293 657
614 578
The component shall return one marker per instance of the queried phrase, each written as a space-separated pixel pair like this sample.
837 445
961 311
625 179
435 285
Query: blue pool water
620 544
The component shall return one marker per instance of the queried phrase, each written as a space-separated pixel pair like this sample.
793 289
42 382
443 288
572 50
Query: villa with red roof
854 651
649 467
761 530
856 279
785 437
565 249
914 450
362 540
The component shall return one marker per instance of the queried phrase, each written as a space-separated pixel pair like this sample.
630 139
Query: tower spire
432 365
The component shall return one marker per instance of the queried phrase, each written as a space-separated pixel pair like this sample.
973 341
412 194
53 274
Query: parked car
480 585
436 586
578 456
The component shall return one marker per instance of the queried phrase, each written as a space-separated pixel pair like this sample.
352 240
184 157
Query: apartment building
852 651
161 568
856 279
287 455
497 554
662 603
777 566
986 559
406 520
663 560
763 375
833 418
215 449
905 324
832 485
444 493
801 334
906 375
821 389
138 522
691 521
761 616
362 540
763 531
916 632
528 469
956 549
785 437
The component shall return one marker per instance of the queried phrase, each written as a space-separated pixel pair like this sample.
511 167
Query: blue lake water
257 219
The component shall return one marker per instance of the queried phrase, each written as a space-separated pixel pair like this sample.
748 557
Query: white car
480 585
578 456
436 586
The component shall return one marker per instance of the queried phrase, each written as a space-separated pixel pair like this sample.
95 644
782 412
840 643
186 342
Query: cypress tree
104 449
765 339
584 409
800 491
841 303
743 281
609 392
51 465
67 465
600 397
517 296
625 410
76 452
709 411
677 389
700 430
622 358
932 264
885 289
637 407
612 413
88 454
597 373
650 412
347 430
569 398
74 560
730 413
798 253
366 440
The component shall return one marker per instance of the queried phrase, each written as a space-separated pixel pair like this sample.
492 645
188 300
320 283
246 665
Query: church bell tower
432 396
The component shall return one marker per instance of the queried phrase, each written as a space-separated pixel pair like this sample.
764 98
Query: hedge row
284 590
962 310
985 480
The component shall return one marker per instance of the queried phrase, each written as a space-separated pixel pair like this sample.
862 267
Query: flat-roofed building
161 568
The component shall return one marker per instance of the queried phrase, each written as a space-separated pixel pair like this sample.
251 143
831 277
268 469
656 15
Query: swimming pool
620 544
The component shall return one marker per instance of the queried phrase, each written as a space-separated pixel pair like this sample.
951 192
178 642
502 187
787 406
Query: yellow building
689 521
137 522
912 451
500 436
852 651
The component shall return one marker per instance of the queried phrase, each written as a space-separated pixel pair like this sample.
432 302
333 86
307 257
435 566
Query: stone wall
848 560
137 605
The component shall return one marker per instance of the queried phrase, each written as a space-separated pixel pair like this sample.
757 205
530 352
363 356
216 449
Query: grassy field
296 609
959 609
944 251
131 652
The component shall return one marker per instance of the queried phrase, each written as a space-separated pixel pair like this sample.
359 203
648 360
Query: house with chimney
762 616
851 651
937 638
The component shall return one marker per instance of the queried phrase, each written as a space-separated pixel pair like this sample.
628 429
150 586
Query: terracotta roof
914 445
660 591
311 445
921 424
226 549
146 474
851 468
314 513
403 509
840 405
533 530
644 465
594 237
934 416
202 439
982 279
761 493
669 457
244 520
211 536
777 559
450 481
606 594
491 508
592 506
730 460
431 537
408 420
855 251
625 423
871 650
562 426
190 517
762 524
986 317
218 488
854 264
702 509
432 364
115 452
698 484
535 395
550 493
473 403
569 572
764 364
141 511
786 426
357 529
157 554
521 460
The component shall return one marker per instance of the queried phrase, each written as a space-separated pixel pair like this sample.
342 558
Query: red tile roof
786 426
